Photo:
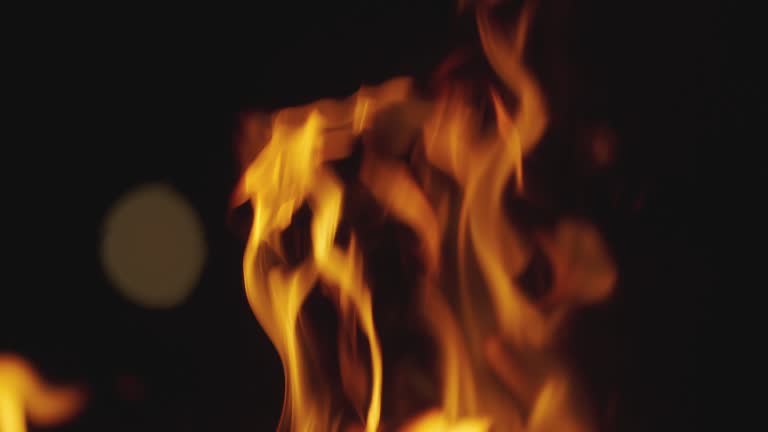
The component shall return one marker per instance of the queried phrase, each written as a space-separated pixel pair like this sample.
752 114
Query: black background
129 95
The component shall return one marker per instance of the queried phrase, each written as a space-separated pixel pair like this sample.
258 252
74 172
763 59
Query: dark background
134 95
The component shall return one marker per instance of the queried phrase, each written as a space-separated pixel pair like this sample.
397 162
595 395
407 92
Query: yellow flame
343 269
493 340
22 390
287 172
435 421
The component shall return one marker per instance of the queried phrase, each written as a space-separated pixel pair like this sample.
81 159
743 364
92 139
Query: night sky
145 95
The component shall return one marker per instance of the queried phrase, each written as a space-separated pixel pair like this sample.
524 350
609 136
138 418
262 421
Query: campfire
391 259
398 286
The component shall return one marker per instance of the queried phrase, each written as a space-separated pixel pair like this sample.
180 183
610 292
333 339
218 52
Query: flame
498 368
22 390
289 171
435 421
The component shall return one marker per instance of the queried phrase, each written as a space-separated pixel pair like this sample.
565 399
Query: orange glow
435 421
23 391
495 343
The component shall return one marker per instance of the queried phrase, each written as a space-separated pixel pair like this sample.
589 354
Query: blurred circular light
153 246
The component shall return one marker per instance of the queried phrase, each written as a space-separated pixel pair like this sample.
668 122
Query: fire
495 343
22 390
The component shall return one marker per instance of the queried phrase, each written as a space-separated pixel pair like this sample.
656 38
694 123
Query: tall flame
23 391
494 341
289 171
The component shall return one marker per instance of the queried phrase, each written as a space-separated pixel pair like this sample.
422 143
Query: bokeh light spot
153 246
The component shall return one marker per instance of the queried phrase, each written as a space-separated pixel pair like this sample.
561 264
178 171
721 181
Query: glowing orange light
22 391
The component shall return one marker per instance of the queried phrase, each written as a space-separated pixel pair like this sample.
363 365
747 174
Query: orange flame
22 390
288 171
494 342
